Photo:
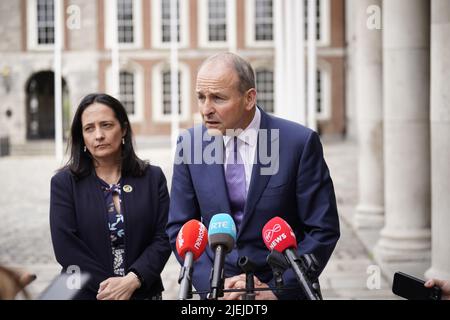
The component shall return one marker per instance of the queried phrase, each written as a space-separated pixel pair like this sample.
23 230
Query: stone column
406 83
280 59
289 60
369 104
440 139
350 92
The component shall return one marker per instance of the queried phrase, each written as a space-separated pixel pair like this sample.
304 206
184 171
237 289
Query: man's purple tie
235 178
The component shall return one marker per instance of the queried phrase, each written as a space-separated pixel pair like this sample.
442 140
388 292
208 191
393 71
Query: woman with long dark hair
108 208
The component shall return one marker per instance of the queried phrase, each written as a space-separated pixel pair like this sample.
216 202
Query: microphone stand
249 269
217 277
311 265
304 268
279 265
185 278
245 290
299 271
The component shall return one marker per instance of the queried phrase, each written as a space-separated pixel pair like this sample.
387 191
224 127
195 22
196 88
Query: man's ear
250 99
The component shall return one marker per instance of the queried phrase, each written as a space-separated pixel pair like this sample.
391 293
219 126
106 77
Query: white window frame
138 72
268 65
157 24
203 29
137 26
32 33
250 22
325 24
157 94
326 91
273 85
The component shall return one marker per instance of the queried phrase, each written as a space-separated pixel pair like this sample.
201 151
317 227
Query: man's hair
242 67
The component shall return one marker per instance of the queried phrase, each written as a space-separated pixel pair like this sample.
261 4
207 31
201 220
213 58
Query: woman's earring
123 141
84 148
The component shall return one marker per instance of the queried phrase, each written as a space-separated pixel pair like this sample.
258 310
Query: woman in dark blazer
108 208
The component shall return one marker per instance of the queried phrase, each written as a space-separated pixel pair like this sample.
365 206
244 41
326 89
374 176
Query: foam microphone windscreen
193 237
222 231
278 235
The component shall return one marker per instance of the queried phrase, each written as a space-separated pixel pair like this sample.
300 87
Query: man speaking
255 167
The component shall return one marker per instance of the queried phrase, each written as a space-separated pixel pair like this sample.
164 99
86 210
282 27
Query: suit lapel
97 209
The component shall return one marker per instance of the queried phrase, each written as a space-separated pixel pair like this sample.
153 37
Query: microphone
279 265
221 237
278 235
190 244
248 268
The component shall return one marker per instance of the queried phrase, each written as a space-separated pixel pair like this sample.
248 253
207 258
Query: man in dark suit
271 167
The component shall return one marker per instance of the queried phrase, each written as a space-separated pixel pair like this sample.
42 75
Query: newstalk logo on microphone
180 238
201 234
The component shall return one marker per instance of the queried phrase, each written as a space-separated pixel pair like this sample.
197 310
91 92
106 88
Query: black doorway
40 105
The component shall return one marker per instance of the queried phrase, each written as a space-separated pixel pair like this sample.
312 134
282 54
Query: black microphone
278 235
311 266
279 265
221 238
248 268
